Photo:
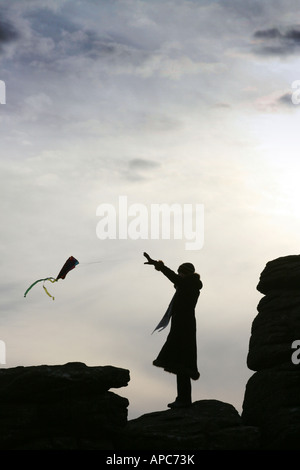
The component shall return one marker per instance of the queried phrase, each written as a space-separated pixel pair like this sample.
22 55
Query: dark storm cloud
70 38
56 41
48 23
268 33
7 32
274 42
54 36
293 35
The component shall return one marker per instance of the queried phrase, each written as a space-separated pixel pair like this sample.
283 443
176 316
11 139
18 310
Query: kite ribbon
51 279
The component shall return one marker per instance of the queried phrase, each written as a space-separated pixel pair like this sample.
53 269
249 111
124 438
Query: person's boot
179 404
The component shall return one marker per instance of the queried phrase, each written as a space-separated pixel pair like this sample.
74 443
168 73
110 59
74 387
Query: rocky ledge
61 407
70 407
206 425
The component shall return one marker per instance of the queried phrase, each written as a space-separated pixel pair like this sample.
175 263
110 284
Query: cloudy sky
161 102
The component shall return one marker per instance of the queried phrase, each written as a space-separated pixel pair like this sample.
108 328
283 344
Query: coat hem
194 375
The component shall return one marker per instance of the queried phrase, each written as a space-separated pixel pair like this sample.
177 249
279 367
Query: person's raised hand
149 260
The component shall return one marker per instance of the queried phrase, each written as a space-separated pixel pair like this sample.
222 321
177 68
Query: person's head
186 269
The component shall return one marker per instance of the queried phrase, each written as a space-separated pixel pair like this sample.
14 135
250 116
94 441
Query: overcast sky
162 102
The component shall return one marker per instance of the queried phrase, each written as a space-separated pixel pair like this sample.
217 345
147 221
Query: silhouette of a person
179 353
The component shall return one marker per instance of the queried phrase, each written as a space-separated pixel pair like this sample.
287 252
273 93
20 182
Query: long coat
179 353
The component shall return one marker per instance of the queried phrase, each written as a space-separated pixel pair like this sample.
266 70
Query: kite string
90 262
103 261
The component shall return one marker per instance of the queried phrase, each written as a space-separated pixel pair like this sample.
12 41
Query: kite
68 266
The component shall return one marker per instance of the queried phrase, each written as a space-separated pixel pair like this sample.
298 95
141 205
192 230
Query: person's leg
184 389
184 392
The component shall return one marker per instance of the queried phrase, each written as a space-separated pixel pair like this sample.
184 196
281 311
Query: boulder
272 395
274 329
206 425
61 407
282 273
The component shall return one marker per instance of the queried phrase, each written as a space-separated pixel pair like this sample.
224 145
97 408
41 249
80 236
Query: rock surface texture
272 395
206 425
61 407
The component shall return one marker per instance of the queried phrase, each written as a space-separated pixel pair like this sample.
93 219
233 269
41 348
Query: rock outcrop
61 407
272 395
70 407
206 425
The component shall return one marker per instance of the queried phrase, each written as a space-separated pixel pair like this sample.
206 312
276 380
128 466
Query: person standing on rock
179 353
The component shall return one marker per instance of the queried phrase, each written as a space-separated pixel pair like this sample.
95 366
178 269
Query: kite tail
51 279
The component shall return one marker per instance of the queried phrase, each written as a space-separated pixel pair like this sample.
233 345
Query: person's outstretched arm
159 266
